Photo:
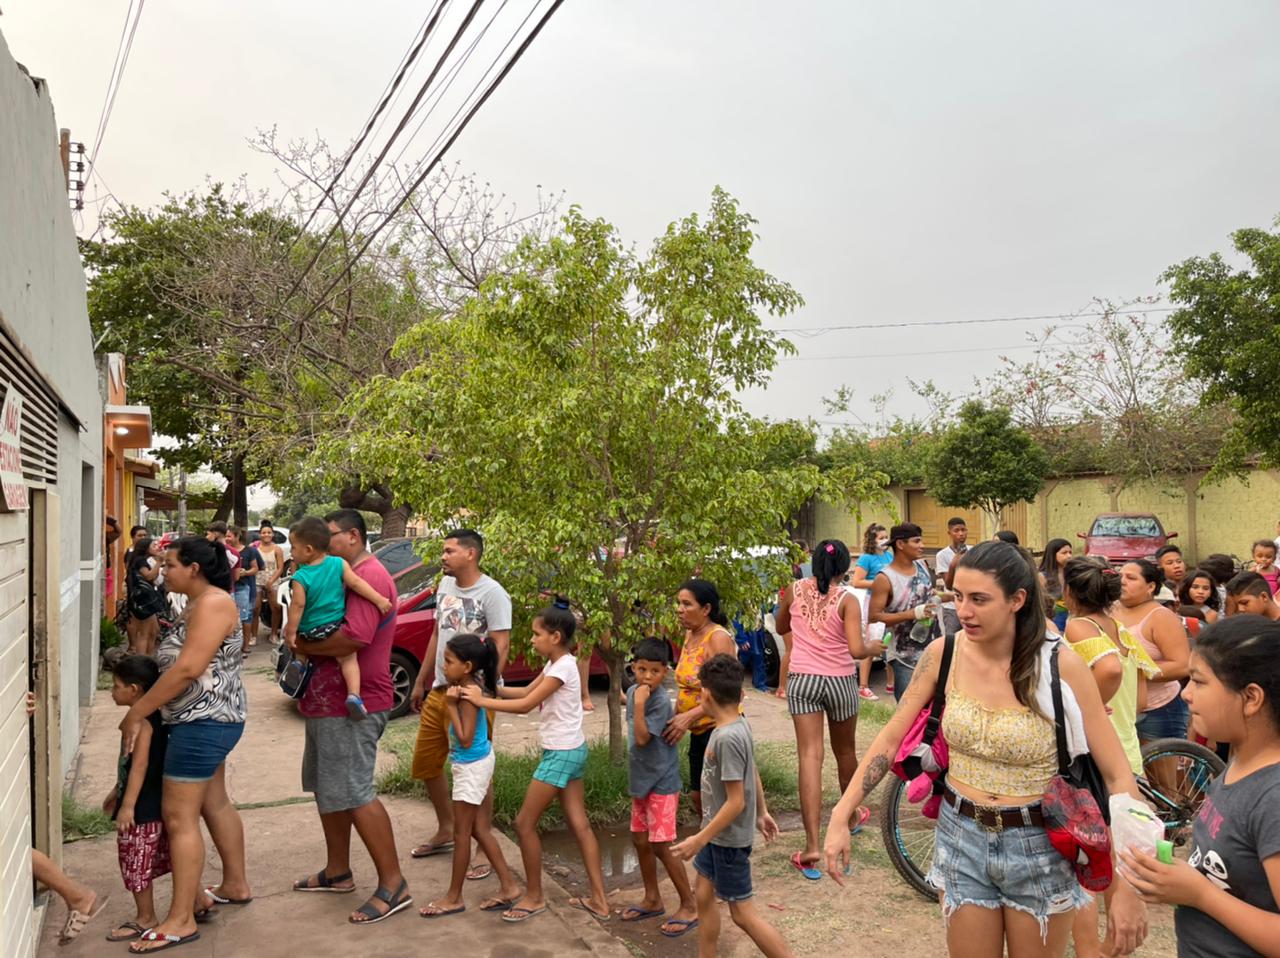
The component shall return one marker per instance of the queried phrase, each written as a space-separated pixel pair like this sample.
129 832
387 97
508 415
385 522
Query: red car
415 624
1123 536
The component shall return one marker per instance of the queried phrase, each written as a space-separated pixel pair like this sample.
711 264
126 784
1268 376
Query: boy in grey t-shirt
654 779
733 805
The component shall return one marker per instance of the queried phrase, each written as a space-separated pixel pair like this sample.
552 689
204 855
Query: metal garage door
15 745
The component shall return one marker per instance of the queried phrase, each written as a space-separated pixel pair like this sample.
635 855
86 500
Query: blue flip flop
808 871
686 924
636 913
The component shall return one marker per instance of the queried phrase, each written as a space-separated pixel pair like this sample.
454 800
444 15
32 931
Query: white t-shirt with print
561 724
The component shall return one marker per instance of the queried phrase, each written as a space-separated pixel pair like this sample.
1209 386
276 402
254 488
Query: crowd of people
1032 666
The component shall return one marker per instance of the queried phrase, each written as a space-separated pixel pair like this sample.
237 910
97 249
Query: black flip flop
432 849
135 930
170 941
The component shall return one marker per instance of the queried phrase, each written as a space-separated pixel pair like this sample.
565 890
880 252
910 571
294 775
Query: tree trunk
223 512
395 520
240 505
614 660
379 500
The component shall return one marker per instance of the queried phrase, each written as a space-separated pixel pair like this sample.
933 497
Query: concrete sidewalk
284 843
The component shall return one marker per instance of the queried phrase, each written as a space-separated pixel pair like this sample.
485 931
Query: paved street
283 838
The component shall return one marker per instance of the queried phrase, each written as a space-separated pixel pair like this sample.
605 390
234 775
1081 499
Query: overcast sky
907 161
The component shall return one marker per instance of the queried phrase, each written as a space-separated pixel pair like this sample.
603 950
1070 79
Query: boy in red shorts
654 774
135 801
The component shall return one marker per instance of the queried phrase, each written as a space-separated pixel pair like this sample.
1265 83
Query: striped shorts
837 695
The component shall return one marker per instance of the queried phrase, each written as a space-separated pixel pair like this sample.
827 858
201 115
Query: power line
404 121
428 167
123 49
388 94
915 352
818 330
436 98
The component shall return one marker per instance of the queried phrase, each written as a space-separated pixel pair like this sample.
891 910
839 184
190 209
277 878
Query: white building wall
42 310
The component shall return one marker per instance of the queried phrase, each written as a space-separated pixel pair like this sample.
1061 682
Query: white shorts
471 781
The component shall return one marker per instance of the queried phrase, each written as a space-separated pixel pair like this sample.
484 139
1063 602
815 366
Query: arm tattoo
877 769
926 659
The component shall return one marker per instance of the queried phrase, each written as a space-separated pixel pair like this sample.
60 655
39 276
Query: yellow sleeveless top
1002 751
688 687
1123 706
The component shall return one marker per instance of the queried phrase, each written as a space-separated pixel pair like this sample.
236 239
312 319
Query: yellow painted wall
1228 516
833 522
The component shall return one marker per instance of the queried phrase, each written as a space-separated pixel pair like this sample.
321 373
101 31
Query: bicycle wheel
908 837
1176 776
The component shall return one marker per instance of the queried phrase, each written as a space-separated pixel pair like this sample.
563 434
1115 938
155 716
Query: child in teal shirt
318 600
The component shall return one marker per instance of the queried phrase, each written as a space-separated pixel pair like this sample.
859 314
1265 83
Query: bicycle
1175 791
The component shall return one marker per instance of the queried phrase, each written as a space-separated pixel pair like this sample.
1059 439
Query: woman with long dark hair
825 622
201 699
706 634
1003 883
875 556
147 601
1199 589
1052 566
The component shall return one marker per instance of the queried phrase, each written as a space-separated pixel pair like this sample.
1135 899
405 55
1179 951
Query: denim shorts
196 749
244 601
1168 721
1013 868
728 870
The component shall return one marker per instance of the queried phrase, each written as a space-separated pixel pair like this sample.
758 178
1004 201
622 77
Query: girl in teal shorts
564 757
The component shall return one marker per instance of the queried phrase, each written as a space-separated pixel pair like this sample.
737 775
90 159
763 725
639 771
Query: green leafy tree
984 461
582 411
1227 333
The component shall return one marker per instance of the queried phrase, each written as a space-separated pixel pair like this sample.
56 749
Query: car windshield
414 580
1126 526
396 555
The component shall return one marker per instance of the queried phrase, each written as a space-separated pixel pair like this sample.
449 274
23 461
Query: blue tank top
480 746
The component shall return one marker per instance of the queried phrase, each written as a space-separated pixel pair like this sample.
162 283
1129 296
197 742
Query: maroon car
1122 536
416 622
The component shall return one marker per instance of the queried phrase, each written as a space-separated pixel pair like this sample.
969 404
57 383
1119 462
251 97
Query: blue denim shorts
196 749
244 601
1168 721
728 870
1014 868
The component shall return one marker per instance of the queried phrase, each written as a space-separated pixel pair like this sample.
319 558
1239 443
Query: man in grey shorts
340 754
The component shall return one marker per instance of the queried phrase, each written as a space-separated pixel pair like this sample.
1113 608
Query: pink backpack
922 757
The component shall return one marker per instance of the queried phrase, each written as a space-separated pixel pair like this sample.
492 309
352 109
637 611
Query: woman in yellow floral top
705 635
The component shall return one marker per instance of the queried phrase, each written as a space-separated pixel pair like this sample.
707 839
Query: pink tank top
818 643
1158 693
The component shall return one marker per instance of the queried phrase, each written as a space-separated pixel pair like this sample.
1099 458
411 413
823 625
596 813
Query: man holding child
339 754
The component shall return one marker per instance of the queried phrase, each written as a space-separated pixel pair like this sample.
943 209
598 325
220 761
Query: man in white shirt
944 563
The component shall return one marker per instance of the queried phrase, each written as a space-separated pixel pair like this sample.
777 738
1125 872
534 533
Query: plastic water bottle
923 629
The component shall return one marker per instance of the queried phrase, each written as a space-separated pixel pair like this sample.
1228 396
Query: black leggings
697 750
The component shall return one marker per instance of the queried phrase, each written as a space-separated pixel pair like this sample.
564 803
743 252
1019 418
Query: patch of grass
608 799
398 739
80 821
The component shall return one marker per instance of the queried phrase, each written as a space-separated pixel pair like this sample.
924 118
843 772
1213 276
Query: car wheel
404 672
628 677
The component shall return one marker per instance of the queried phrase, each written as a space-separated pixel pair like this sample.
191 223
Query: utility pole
182 500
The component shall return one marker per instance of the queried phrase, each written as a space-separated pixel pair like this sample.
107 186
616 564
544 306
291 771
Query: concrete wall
1225 517
42 306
